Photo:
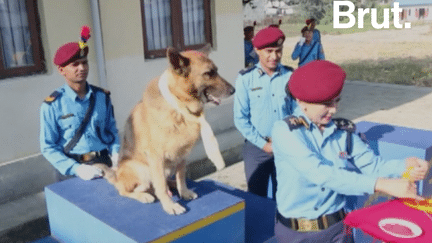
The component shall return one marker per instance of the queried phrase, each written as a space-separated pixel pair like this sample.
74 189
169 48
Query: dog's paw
173 208
146 198
188 195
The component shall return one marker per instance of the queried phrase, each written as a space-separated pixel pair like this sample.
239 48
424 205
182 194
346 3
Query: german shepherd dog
163 128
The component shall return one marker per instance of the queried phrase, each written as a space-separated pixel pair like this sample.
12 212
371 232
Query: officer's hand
302 41
114 160
268 148
88 172
415 169
401 188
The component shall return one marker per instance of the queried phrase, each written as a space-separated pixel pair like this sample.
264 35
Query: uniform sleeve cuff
369 185
74 168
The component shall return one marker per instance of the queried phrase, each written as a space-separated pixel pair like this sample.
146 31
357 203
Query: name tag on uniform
67 116
257 88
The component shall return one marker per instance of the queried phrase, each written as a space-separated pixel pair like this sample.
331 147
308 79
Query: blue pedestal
92 211
394 142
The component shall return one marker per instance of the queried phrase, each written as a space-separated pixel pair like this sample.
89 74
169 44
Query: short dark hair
248 29
305 29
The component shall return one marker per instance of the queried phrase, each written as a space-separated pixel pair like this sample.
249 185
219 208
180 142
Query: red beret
317 82
68 53
269 36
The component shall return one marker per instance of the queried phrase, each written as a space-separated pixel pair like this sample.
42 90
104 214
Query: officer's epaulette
344 124
52 97
296 122
95 88
246 70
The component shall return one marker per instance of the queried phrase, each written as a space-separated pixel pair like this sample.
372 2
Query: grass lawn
406 71
397 56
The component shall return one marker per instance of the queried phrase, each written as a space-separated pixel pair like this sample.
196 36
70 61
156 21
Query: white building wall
127 71
411 15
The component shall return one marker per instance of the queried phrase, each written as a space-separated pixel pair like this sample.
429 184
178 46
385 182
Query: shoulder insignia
246 70
53 96
344 124
296 122
107 92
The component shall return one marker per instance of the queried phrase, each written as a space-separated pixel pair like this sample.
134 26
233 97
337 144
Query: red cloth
367 220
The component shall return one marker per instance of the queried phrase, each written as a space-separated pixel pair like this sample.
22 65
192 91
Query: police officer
307 49
260 100
251 58
77 120
313 155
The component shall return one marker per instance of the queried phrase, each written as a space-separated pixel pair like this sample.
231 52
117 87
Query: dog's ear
206 49
179 63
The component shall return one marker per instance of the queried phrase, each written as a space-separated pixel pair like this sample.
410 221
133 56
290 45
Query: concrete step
24 219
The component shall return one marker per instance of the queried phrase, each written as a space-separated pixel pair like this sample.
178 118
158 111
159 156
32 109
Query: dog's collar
168 96
211 145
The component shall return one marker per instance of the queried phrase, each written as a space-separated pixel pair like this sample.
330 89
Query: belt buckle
88 156
306 225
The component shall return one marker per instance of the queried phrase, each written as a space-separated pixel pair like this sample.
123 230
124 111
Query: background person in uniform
251 58
70 139
313 153
259 101
311 24
307 49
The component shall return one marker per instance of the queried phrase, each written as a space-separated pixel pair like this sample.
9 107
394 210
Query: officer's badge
52 97
66 116
49 99
260 71
344 155
344 124
256 88
296 122
280 41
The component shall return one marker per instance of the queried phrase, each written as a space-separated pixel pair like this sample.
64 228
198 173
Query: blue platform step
92 211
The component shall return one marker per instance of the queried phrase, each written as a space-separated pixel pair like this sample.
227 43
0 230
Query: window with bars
183 24
20 45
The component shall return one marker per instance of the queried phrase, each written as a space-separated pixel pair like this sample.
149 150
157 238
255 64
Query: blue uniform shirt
259 101
60 119
316 36
308 52
313 179
251 58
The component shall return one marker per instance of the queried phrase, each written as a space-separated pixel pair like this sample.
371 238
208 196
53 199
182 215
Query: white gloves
114 160
88 172
302 41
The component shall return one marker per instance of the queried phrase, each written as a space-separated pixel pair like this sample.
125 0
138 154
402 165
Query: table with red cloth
367 219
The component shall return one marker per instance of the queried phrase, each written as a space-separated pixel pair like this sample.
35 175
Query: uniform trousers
259 167
336 233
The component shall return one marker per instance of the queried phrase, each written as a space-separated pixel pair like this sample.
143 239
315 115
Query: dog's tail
108 173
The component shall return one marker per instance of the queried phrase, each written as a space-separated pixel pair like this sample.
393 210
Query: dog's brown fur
158 137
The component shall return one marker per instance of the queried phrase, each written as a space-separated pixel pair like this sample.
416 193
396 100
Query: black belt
90 156
310 225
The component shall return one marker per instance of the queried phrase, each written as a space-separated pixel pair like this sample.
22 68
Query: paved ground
383 103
